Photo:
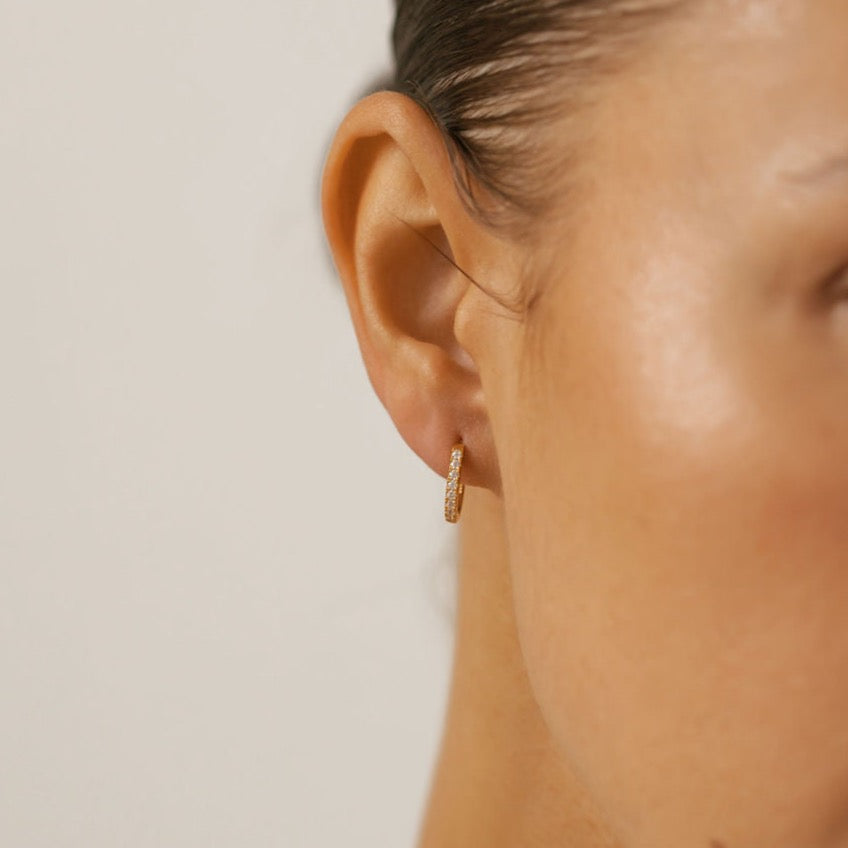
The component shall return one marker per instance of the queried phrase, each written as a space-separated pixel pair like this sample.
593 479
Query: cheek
679 536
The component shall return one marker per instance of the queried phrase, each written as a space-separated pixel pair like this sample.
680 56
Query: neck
498 781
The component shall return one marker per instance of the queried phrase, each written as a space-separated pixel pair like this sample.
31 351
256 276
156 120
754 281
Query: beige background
225 582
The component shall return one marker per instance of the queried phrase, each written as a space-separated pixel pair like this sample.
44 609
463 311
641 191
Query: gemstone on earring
454 488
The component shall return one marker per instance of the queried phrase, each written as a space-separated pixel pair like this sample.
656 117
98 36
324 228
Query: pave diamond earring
454 489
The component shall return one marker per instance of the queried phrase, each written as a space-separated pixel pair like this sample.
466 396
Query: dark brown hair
493 73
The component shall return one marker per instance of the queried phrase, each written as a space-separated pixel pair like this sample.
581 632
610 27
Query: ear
400 233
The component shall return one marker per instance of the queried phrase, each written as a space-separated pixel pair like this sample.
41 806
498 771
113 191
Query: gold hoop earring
454 489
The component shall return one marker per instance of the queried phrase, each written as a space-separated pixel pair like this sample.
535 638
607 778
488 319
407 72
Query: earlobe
394 220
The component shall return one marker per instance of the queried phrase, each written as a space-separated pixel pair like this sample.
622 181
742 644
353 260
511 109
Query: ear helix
454 489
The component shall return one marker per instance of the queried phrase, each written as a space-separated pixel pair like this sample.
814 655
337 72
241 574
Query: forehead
730 94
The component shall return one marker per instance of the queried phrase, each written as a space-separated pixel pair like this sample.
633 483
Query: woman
603 247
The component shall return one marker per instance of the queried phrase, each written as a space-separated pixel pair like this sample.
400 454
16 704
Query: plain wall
226 586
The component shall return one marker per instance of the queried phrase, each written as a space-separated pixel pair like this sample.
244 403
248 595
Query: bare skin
498 781
651 640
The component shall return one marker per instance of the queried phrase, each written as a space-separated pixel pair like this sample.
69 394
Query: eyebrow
830 170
